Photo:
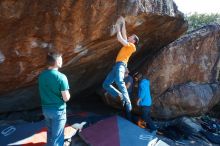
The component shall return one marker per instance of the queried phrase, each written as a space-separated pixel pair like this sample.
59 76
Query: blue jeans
55 122
145 110
117 75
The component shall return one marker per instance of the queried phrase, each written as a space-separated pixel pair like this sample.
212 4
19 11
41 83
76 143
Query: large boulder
82 30
192 58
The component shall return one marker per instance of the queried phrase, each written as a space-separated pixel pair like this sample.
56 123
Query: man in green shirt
54 93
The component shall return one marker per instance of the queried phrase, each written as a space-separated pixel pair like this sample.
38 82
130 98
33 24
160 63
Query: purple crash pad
115 131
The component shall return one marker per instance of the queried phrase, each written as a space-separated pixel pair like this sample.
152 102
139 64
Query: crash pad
116 131
28 134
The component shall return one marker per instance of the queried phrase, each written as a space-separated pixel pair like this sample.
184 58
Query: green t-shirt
51 83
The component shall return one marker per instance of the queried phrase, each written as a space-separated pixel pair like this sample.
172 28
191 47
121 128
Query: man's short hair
52 58
140 76
136 39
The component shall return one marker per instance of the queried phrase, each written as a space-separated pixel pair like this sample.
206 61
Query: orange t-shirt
125 53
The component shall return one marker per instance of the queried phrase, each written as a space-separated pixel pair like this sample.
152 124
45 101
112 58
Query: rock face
187 99
82 31
192 58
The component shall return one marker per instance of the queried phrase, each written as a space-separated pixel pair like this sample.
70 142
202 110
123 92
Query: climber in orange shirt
118 71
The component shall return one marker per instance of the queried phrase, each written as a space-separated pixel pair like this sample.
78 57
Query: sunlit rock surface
192 58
